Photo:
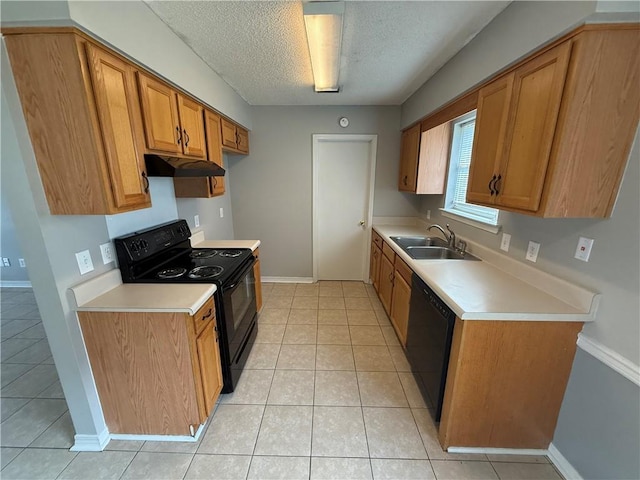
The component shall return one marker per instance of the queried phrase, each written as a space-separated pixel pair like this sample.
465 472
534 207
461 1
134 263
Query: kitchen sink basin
405 242
434 253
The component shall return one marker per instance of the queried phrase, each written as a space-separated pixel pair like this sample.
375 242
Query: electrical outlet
6 262
428 214
85 264
221 212
196 220
532 251
506 241
107 253
583 250
22 263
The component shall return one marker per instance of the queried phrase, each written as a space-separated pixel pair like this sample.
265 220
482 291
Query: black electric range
163 254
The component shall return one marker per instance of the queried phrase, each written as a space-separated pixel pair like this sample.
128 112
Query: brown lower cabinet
401 299
505 382
391 278
156 373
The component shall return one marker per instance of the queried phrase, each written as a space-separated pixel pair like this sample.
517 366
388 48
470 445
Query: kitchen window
455 205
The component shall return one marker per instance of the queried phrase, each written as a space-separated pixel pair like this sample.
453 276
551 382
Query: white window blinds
461 149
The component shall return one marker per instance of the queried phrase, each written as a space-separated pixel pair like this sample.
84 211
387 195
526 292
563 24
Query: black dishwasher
429 337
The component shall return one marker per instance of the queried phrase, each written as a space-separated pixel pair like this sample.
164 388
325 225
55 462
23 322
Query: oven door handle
241 275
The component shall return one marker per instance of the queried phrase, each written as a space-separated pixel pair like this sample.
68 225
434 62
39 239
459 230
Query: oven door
239 299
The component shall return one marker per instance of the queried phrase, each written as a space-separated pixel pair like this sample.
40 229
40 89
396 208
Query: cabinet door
433 159
537 93
229 134
210 367
192 126
256 274
119 113
409 159
160 113
214 149
488 139
374 266
242 139
400 306
386 283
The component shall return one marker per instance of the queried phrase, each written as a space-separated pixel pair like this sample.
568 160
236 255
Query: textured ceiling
389 48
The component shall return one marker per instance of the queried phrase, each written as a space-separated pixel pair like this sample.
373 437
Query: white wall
10 247
272 196
590 443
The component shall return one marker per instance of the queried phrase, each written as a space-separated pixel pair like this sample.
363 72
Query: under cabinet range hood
162 166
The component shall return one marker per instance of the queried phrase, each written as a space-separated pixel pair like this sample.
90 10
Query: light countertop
252 244
479 290
107 293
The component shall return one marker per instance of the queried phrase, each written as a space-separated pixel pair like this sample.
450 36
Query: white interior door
343 172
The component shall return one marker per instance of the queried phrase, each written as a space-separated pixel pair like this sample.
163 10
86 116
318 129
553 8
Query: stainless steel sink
405 242
434 253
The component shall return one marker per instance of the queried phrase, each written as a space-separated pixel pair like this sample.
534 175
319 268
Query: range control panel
145 243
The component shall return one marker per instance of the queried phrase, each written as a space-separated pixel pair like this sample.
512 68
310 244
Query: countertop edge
584 316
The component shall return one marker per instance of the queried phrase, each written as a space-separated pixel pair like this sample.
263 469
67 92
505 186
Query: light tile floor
327 393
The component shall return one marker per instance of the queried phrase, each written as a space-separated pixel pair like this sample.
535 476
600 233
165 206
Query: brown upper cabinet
515 125
553 135
83 112
211 186
173 123
423 159
83 115
234 138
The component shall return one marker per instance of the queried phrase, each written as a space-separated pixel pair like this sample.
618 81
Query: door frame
373 149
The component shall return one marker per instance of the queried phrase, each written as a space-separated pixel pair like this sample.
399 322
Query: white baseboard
160 438
498 451
15 284
562 464
287 279
90 443
610 358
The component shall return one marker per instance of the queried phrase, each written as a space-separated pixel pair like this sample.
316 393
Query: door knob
362 223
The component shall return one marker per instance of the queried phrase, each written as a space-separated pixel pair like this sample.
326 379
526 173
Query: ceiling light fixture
323 22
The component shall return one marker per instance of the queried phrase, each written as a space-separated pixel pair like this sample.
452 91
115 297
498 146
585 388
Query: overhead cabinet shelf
553 133
92 115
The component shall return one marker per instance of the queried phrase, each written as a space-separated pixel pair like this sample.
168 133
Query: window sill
487 227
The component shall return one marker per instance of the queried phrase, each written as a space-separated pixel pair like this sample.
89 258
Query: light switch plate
506 241
22 263
532 251
107 253
221 212
583 250
196 220
6 262
428 214
85 264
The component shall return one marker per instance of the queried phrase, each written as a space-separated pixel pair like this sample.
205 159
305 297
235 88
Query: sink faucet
450 238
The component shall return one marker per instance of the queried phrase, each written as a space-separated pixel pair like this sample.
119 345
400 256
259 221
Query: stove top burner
230 253
206 272
171 272
203 253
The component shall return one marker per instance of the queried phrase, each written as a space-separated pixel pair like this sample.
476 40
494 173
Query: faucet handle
450 231
462 246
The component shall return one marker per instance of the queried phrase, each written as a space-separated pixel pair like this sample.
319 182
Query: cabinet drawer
377 239
204 315
403 269
388 251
